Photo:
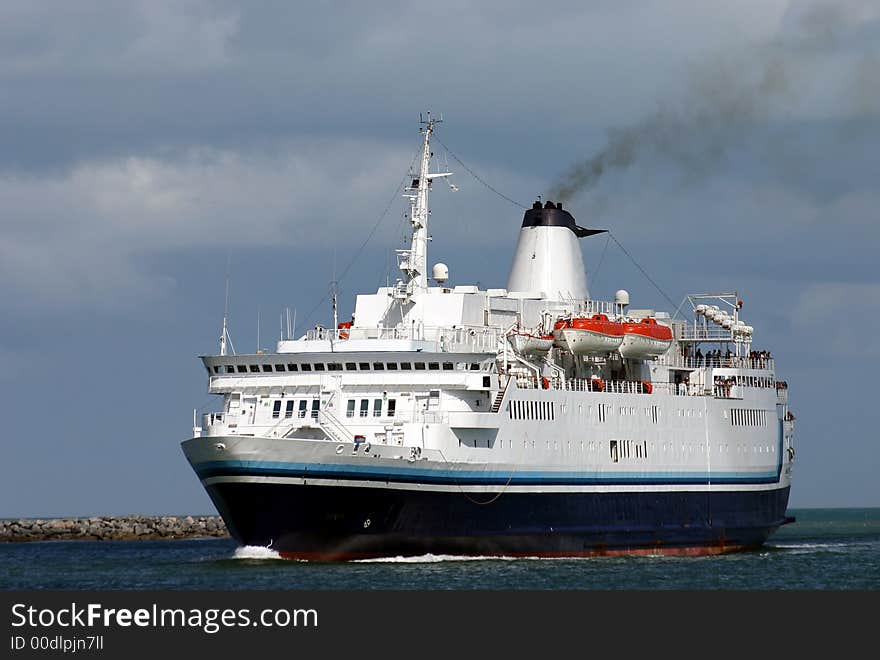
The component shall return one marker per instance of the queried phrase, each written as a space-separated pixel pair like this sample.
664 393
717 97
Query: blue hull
339 522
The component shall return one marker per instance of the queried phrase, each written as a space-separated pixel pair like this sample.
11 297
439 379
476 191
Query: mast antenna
224 333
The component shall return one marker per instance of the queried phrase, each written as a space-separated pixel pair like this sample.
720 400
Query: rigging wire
636 263
601 260
477 176
357 254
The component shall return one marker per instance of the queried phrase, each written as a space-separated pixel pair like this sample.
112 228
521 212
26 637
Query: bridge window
377 407
267 367
349 410
276 409
365 407
420 366
334 366
288 411
216 369
319 366
230 369
279 367
306 367
392 407
302 409
391 366
405 366
433 366
378 366
351 366
316 405
255 368
291 367
242 368
447 366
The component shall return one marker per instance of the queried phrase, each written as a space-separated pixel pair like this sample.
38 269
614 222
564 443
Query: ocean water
826 549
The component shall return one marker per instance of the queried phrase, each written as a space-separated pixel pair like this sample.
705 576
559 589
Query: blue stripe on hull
341 522
463 477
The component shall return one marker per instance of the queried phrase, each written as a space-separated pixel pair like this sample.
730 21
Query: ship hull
331 522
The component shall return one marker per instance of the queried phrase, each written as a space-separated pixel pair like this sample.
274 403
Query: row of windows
543 410
748 417
345 366
627 449
301 409
364 409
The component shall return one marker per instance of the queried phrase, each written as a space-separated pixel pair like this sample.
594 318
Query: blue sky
146 145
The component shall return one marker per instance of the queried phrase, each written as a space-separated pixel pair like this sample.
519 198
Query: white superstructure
454 391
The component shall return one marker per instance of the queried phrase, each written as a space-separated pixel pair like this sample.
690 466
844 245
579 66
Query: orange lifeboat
645 339
588 336
528 344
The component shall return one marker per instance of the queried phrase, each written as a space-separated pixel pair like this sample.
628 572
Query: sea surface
826 549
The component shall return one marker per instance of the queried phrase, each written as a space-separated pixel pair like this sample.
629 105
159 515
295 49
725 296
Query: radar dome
440 273
621 297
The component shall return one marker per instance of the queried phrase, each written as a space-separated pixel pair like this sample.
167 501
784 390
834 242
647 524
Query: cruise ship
529 420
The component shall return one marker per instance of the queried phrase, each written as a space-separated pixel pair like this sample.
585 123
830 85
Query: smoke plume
730 98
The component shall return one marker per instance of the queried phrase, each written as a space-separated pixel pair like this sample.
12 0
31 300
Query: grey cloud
816 67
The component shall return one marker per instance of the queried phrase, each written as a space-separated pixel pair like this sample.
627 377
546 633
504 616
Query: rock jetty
112 528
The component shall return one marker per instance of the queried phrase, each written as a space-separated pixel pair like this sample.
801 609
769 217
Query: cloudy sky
147 147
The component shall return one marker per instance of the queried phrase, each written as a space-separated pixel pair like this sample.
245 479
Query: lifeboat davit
528 344
588 336
645 339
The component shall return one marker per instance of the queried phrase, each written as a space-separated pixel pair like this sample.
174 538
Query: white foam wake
432 559
255 552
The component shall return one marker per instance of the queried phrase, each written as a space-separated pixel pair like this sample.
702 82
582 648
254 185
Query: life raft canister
343 329
545 382
598 384
648 387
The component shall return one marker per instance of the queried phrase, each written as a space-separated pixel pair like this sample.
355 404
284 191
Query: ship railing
708 333
467 339
733 361
610 386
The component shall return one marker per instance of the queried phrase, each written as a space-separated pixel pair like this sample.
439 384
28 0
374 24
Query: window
349 410
365 407
279 367
433 366
255 368
302 409
230 369
291 367
334 366
242 369
378 366
405 366
267 367
475 366
487 381
288 411
392 407
364 366
614 455
306 367
351 366
447 366
316 405
420 366
391 366
216 369
276 410
319 366
377 407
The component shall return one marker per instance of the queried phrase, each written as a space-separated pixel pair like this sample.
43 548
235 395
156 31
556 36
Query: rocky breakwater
112 528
